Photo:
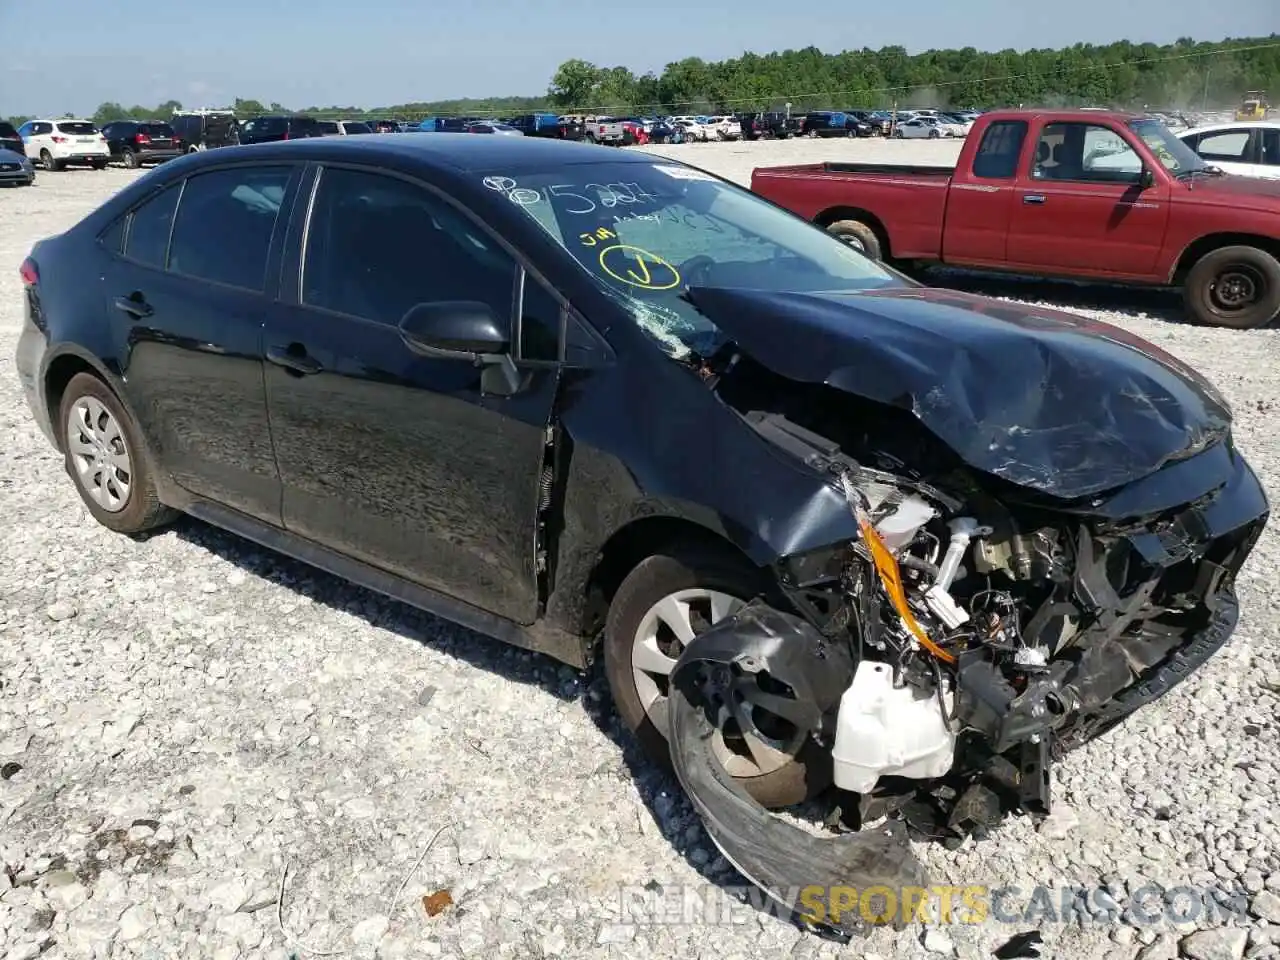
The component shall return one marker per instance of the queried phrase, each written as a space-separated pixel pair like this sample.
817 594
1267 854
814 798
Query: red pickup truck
1080 194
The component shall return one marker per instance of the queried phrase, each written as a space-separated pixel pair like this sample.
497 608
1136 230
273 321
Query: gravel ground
182 718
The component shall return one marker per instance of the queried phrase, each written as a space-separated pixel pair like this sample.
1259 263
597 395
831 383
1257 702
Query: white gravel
181 717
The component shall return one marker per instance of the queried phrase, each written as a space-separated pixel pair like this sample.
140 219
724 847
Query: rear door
187 296
1080 208
159 136
981 197
389 456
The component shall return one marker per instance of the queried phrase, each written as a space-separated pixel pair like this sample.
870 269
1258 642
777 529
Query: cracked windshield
647 232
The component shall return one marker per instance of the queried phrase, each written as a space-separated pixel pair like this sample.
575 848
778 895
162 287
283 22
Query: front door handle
294 358
1033 198
135 305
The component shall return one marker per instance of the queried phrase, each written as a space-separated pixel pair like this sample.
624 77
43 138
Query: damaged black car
835 533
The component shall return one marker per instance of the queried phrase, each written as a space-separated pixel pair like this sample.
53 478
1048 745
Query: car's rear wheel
129 158
104 455
859 235
1236 287
667 600
47 161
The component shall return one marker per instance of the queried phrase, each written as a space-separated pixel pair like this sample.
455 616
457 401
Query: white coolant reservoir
886 731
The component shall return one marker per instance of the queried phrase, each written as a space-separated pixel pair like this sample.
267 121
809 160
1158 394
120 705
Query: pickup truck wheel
858 235
1236 287
662 604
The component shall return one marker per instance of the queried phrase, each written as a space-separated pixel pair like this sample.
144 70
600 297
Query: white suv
55 143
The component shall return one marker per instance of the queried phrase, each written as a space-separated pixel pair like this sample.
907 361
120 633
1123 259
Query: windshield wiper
1208 170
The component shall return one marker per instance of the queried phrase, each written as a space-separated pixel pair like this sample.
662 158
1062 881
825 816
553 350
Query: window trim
522 263
128 227
1127 184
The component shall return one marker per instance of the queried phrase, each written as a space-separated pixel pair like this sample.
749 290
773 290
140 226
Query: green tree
574 83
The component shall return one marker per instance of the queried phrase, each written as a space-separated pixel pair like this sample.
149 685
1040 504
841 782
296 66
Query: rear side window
265 125
149 228
6 130
225 224
1225 145
1271 147
997 156
329 126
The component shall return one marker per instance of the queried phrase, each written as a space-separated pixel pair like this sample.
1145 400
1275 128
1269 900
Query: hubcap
99 454
664 631
1235 289
853 241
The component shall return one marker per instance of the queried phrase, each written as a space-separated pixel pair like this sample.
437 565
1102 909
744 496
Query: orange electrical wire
891 577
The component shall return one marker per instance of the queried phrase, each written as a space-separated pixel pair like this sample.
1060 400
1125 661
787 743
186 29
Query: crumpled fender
784 860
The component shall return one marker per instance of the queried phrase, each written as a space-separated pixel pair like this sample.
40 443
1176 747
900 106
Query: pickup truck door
981 196
1080 208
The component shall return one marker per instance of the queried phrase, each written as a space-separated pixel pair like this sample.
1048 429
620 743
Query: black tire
129 158
46 158
859 235
100 164
934 135
683 568
142 509
1236 287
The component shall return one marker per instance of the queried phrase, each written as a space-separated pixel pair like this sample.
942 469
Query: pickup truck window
1084 152
997 156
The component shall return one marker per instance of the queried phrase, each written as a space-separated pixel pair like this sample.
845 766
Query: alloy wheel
98 451
751 747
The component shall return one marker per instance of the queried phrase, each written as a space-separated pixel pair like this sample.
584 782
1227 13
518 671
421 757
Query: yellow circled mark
640 275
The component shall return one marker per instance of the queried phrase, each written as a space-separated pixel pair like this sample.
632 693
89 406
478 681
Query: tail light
56 139
30 275
141 138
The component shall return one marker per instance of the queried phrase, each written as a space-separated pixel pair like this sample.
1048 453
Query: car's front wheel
666 601
104 455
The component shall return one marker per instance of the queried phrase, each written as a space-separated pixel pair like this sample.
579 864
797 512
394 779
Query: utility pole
1208 69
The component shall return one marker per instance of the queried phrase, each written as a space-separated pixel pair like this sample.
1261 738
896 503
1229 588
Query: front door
394 458
186 297
1080 206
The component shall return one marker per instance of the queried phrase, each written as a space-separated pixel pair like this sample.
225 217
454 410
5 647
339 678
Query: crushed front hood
1047 400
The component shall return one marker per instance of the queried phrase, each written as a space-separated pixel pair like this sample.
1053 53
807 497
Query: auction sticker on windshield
684 173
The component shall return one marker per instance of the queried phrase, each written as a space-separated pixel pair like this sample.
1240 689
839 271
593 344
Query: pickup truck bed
1074 194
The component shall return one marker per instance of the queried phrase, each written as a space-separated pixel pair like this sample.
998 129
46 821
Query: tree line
1186 74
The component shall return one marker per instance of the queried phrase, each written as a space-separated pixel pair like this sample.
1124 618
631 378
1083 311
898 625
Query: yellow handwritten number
643 269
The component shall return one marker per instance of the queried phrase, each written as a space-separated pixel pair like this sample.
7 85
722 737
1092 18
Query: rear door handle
135 305
294 358
1033 198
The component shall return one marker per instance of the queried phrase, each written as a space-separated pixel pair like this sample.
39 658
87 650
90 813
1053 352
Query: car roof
455 151
1232 125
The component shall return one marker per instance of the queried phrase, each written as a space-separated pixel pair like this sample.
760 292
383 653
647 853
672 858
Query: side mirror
454 327
1147 179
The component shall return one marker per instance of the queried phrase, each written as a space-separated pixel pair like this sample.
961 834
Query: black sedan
557 392
135 143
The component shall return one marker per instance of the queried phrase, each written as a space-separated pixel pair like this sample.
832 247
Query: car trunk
155 136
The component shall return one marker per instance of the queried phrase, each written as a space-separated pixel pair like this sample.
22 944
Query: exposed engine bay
971 634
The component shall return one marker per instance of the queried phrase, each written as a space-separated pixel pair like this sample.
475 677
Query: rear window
156 129
77 128
358 127
265 125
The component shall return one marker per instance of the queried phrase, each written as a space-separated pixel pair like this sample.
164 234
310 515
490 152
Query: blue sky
378 52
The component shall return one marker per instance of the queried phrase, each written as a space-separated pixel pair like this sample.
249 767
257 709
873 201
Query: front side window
149 228
225 223
1085 152
378 245
645 232
1228 145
